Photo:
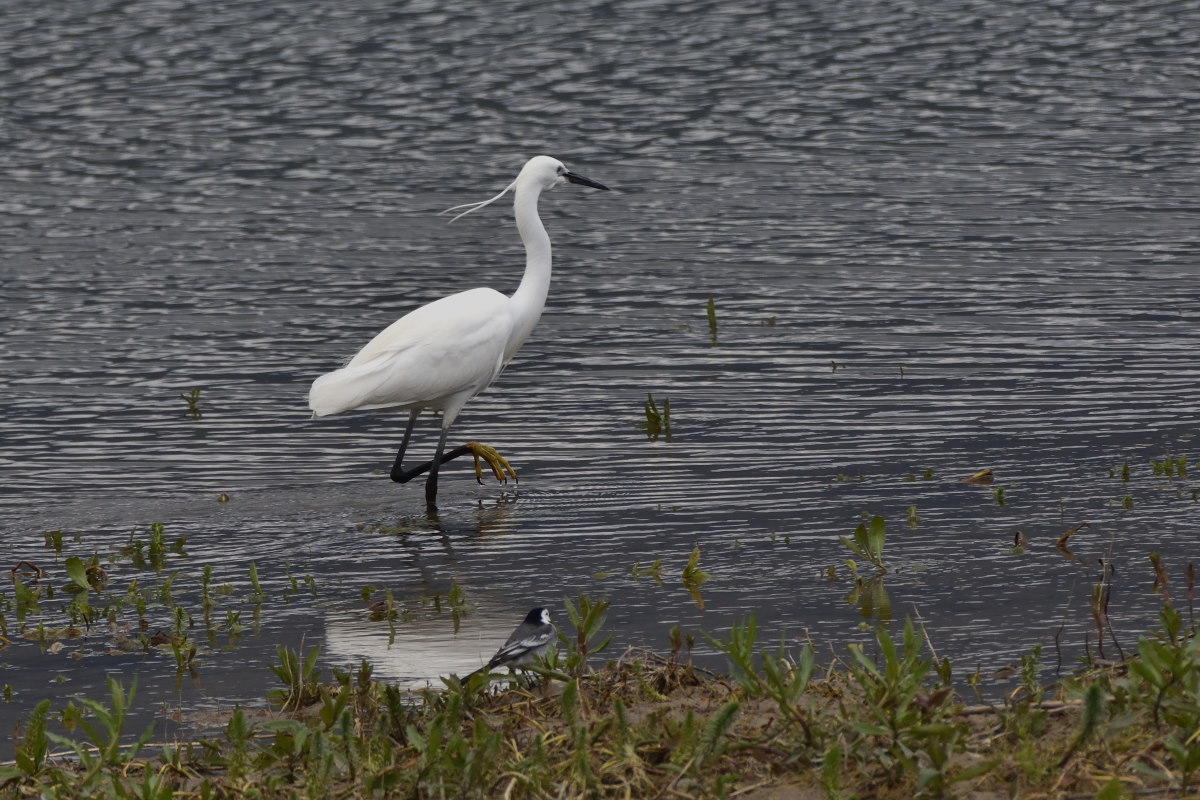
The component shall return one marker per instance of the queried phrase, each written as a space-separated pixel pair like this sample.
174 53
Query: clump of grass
300 676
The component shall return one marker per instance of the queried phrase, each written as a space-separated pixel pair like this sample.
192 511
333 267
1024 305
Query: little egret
442 354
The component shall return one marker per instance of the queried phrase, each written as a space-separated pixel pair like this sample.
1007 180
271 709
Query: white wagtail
527 642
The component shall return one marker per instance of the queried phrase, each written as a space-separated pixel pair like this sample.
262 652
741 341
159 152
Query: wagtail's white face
545 617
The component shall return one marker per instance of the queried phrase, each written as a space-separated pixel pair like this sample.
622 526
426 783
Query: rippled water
938 237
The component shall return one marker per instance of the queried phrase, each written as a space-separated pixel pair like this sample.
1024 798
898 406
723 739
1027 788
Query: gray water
939 237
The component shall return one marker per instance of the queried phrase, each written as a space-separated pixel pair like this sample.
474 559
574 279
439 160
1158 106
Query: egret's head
539 173
550 172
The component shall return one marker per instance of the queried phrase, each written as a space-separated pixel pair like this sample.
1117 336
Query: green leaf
877 535
852 546
77 572
982 768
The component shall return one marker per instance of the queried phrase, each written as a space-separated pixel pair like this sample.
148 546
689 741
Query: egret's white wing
451 346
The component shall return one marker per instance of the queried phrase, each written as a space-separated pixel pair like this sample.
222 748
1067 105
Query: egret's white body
442 354
438 356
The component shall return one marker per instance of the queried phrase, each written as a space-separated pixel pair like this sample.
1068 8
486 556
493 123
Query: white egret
442 354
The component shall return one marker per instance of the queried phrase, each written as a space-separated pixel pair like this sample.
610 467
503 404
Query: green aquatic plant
54 540
870 597
256 592
192 399
693 577
1170 466
654 570
77 572
185 653
152 553
25 597
710 310
868 543
657 424
456 598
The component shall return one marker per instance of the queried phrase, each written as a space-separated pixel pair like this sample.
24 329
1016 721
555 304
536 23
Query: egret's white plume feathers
476 206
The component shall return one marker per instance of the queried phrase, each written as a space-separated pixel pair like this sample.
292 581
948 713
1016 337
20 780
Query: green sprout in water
913 518
652 571
54 539
192 399
693 577
459 606
657 424
1170 467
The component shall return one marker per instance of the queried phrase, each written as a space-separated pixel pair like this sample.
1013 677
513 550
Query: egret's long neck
530 297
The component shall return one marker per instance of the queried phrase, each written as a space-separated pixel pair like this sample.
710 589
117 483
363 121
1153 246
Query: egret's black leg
397 467
431 481
404 476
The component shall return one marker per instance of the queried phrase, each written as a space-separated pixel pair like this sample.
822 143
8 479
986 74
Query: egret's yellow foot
497 462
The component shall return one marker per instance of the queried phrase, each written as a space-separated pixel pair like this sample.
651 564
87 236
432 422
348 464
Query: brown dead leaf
1061 544
981 478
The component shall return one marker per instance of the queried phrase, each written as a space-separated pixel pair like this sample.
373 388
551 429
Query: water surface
938 238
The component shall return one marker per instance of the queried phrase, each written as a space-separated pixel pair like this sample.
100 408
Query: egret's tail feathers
326 395
347 389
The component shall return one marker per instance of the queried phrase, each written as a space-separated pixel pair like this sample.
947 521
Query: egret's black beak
582 181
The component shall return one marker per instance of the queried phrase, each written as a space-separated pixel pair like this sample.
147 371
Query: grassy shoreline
888 723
